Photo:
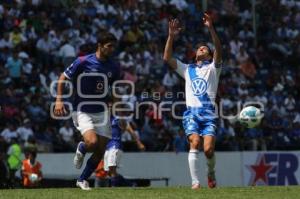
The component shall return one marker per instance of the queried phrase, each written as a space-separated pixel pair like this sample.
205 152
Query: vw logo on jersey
199 86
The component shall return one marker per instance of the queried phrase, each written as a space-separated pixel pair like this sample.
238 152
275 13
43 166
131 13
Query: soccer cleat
211 181
84 185
78 158
196 186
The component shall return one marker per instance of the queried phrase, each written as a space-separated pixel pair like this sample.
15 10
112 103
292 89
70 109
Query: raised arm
174 30
218 47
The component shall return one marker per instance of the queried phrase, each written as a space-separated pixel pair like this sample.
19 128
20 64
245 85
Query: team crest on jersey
199 86
109 74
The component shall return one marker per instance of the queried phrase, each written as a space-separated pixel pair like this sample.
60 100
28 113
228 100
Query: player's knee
209 152
195 143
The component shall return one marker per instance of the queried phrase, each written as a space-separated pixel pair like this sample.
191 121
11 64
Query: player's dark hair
106 38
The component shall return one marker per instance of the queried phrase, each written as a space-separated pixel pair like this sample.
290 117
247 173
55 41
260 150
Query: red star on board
261 169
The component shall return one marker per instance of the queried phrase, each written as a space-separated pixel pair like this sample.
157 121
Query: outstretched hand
207 20
174 27
141 146
59 109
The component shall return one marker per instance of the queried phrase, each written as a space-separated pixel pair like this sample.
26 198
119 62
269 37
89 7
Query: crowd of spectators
39 39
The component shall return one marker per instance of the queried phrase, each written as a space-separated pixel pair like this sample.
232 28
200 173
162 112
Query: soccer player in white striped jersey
201 84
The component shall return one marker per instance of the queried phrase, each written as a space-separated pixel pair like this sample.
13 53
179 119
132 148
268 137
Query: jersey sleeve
73 69
181 68
217 65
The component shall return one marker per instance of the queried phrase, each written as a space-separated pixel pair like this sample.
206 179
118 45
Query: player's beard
202 57
105 54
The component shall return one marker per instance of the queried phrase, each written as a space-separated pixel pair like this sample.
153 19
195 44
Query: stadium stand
39 39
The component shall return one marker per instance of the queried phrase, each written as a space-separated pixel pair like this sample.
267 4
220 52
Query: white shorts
112 158
100 122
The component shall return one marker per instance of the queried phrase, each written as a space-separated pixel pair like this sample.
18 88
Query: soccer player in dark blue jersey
91 76
114 148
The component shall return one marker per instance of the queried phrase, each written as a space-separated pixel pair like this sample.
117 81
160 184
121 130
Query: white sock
194 166
211 166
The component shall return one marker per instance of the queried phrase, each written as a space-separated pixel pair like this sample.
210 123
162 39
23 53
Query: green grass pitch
289 192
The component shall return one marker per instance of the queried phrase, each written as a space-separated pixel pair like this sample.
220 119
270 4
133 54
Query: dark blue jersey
92 81
115 141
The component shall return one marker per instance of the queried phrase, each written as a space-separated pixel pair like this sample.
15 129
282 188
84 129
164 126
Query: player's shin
211 162
90 167
194 166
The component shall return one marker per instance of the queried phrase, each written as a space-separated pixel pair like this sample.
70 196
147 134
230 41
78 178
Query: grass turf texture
290 192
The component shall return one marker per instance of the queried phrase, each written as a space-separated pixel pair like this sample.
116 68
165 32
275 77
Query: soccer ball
250 117
33 177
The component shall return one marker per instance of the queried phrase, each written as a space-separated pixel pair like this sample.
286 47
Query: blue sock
82 148
118 181
125 182
115 181
90 167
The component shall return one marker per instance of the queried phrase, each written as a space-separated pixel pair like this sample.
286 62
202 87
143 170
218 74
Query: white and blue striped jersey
201 84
